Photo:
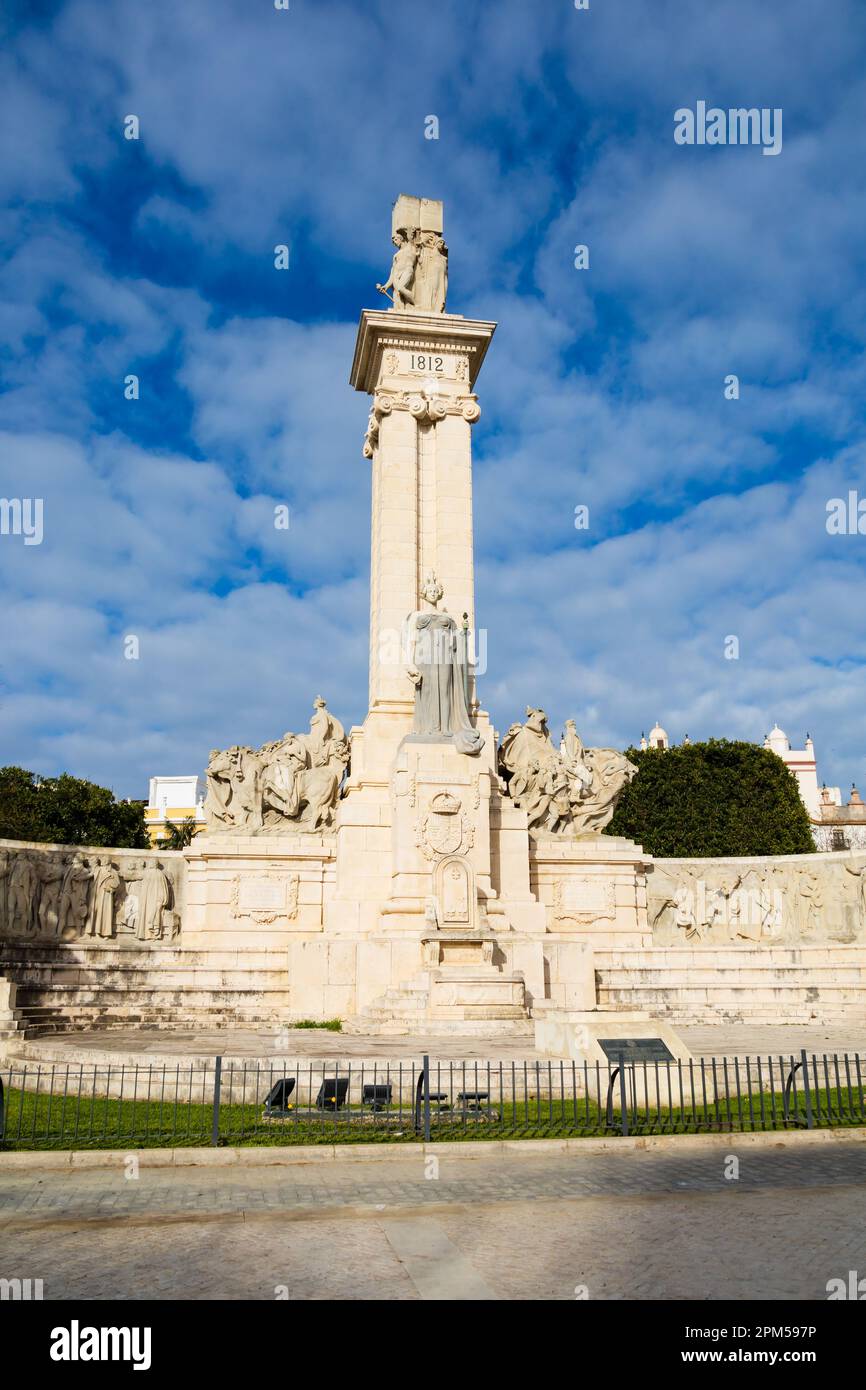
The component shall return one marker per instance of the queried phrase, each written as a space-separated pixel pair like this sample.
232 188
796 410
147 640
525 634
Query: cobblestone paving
625 1226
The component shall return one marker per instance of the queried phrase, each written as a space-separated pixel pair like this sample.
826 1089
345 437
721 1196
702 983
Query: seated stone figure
571 792
288 783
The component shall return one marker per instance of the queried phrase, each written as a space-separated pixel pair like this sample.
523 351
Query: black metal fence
235 1102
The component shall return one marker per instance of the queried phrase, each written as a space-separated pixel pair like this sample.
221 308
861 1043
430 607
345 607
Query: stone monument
418 874
445 878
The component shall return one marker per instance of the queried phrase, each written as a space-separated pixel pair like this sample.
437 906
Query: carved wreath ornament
446 829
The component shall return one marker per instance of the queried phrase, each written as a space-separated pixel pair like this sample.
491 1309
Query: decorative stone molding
418 343
277 895
421 407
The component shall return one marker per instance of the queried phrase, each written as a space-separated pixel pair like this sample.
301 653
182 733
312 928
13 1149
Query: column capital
403 347
426 406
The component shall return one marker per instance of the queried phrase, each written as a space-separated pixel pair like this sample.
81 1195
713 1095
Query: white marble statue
5 869
154 896
52 872
401 281
106 882
571 792
291 783
74 898
233 789
438 667
22 903
419 270
431 273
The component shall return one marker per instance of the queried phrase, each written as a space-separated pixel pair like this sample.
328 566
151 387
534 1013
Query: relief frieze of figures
707 903
58 895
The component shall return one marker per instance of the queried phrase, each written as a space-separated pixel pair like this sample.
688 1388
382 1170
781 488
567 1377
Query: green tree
717 798
179 836
67 810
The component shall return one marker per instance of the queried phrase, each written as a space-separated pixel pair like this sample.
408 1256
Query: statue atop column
419 270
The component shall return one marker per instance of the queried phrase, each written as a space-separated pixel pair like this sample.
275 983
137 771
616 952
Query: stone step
730 994
761 958
103 1022
153 961
160 992
727 979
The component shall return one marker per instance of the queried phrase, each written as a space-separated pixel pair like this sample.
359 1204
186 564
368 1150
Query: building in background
657 738
842 825
800 761
173 799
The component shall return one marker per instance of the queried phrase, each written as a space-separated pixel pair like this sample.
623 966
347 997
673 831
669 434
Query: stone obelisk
420 365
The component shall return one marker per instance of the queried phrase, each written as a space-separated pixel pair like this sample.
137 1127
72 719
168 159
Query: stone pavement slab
155 1046
422 1180
637 1225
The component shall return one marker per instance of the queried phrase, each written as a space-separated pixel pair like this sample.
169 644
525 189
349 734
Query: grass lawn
35 1120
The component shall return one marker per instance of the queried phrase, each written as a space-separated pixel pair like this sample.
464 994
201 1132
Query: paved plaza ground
153 1046
637 1225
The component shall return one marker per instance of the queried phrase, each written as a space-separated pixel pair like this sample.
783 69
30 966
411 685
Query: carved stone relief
446 828
55 895
711 902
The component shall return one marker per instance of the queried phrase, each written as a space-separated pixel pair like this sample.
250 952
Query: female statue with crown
438 666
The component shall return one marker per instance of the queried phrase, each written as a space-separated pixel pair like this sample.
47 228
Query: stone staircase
762 985
404 1009
61 987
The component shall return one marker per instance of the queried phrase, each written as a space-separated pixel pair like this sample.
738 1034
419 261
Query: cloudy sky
604 387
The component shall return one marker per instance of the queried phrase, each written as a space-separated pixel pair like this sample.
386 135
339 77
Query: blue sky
603 387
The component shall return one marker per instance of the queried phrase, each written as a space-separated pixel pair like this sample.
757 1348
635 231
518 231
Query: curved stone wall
795 899
62 894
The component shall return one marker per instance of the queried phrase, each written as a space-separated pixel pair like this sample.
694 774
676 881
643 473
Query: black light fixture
277 1102
332 1093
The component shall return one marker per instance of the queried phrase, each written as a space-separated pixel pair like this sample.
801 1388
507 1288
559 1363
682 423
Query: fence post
810 1119
623 1094
217 1085
426 1065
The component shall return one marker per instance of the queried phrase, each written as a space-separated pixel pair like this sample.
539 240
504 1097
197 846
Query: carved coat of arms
445 829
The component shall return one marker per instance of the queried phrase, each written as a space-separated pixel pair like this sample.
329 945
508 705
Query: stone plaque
264 898
262 895
455 893
635 1050
583 900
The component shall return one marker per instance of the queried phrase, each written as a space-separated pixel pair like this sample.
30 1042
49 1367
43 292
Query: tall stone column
420 369
419 365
